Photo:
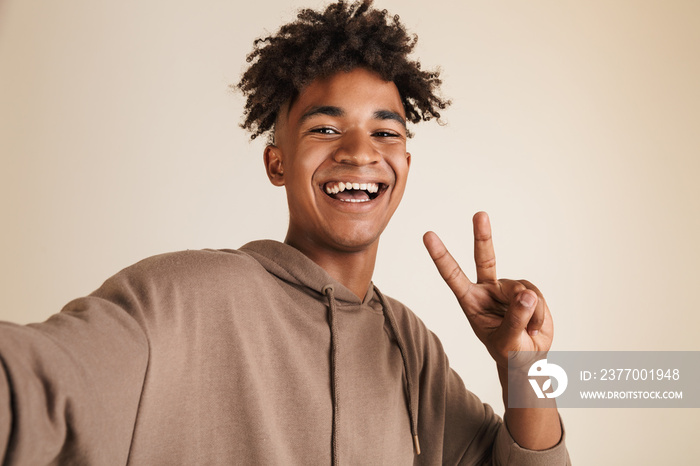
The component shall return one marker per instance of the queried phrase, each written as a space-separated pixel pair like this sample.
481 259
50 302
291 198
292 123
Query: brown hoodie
255 356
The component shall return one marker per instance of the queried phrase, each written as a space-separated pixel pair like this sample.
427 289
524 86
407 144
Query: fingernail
527 300
533 333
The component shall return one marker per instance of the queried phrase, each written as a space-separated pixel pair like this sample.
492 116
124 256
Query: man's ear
273 165
408 159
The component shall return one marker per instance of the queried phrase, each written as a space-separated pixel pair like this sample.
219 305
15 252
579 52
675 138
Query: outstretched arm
506 315
70 387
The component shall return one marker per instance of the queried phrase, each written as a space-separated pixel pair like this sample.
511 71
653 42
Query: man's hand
506 315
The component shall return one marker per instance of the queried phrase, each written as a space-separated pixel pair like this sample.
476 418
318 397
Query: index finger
484 255
447 266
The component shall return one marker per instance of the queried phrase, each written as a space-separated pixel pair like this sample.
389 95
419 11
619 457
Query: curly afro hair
320 44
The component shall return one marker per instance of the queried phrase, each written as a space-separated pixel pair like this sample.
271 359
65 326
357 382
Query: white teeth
339 187
354 200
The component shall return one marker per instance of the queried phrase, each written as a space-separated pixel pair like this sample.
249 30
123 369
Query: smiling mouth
346 191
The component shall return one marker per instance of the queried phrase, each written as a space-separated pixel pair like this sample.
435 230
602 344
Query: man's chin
354 242
356 245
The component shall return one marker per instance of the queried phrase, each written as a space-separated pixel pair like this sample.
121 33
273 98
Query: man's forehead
343 93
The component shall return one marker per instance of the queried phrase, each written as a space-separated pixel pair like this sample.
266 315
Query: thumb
517 316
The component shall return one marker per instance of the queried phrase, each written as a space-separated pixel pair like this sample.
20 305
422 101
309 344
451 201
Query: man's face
341 154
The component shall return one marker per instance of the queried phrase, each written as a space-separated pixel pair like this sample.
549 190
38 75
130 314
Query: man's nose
357 149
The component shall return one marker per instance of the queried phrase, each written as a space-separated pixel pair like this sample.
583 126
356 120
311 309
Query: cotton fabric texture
224 357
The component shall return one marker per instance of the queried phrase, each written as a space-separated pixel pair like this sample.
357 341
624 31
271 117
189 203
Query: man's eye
385 134
324 130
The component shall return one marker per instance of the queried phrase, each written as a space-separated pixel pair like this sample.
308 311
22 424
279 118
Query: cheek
307 163
400 164
301 191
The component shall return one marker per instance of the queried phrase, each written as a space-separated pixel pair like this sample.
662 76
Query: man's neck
353 269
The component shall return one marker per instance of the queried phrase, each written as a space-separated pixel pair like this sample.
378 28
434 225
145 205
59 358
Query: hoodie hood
292 266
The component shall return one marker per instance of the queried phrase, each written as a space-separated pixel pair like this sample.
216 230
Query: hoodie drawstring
409 381
329 292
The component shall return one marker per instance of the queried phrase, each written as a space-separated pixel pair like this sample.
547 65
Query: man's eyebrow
389 115
328 110
333 111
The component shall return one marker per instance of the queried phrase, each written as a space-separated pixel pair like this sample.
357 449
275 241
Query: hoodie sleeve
474 434
70 386
454 426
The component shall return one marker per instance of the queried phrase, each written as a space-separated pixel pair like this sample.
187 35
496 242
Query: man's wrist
531 428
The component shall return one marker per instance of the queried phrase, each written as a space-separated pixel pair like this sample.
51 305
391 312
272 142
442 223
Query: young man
286 353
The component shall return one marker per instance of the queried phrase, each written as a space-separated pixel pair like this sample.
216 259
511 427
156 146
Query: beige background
574 124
